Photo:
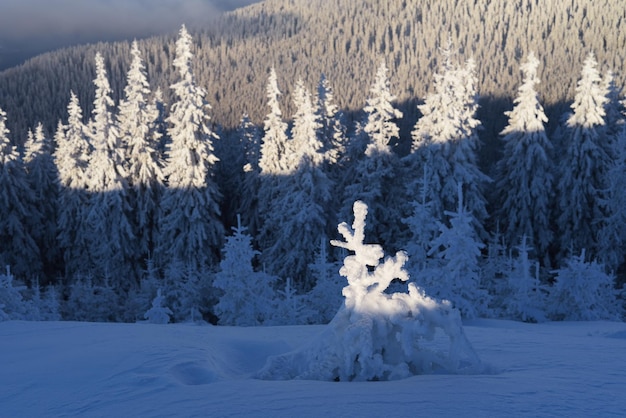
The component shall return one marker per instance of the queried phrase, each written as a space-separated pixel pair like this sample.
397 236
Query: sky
29 27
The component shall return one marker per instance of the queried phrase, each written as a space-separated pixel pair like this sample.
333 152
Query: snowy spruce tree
71 158
139 135
298 211
246 295
446 140
325 298
459 249
524 179
19 248
377 335
374 178
586 159
190 229
12 303
42 176
249 200
423 228
272 162
110 239
583 291
523 296
158 313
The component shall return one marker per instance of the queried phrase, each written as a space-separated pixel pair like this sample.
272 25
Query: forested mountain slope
345 40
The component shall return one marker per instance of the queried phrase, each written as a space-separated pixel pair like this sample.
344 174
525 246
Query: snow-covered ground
141 370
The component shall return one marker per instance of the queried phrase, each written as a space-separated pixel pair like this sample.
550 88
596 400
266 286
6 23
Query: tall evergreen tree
582 183
137 122
18 250
249 204
190 226
275 136
71 157
272 161
524 179
374 175
300 207
110 239
42 176
445 138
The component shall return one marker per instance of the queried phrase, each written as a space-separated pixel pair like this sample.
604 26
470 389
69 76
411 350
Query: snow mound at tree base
392 339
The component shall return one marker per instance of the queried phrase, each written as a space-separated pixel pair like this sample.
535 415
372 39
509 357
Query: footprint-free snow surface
50 369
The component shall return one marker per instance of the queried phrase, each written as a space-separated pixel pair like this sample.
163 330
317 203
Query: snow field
92 369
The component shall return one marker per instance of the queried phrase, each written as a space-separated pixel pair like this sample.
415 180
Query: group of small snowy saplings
378 335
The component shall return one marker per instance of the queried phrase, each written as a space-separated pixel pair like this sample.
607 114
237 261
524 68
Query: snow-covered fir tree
71 158
377 335
190 229
423 228
586 160
333 130
249 202
110 239
275 136
92 302
583 291
247 295
158 313
272 161
19 248
290 307
445 139
374 178
524 179
459 249
12 303
42 176
523 297
139 135
325 298
298 211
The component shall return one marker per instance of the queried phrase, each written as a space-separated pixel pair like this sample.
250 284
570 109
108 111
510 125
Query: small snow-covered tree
524 179
158 314
423 227
325 298
524 295
376 335
19 248
289 306
459 249
92 302
12 304
247 295
586 159
189 223
582 291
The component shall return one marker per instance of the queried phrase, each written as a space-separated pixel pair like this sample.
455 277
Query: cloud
92 20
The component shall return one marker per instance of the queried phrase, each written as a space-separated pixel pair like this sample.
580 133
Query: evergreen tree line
132 206
345 40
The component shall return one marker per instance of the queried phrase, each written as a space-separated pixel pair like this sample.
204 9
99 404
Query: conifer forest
202 175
